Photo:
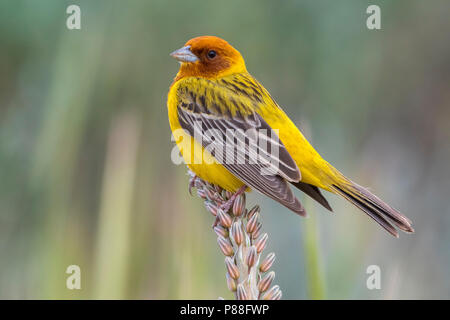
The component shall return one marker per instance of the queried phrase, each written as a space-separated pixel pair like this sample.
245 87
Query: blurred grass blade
112 252
314 271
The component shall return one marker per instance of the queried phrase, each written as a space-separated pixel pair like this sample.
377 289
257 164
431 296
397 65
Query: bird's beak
184 55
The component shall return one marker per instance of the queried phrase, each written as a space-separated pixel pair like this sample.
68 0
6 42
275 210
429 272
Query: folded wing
223 116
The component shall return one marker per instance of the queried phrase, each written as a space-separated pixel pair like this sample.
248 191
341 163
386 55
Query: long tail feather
374 207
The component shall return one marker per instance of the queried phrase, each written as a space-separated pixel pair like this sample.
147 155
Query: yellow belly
203 164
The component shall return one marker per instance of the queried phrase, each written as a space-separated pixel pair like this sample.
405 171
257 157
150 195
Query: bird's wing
222 115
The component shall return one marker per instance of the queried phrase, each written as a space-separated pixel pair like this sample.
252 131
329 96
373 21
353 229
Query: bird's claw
192 184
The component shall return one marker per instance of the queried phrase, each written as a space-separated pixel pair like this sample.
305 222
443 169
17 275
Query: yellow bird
214 103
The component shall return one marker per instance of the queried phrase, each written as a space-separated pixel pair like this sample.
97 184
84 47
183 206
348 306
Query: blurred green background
85 170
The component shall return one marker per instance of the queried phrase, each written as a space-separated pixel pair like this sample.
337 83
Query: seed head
239 205
241 293
272 293
250 259
225 246
257 231
221 231
277 296
231 283
224 218
232 268
211 207
265 282
236 232
252 211
251 224
261 243
267 262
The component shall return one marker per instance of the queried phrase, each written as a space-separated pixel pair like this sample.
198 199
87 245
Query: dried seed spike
271 293
225 246
253 211
231 283
250 259
237 233
265 282
221 231
261 243
267 262
232 268
251 224
241 294
239 205
224 218
239 226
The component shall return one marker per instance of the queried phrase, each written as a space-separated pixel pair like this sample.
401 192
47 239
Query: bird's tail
374 207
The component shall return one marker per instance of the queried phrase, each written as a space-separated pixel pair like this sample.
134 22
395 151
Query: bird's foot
192 184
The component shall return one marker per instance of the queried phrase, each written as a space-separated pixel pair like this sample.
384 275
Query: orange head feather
208 57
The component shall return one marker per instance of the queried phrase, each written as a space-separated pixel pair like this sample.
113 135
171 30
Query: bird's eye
212 54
